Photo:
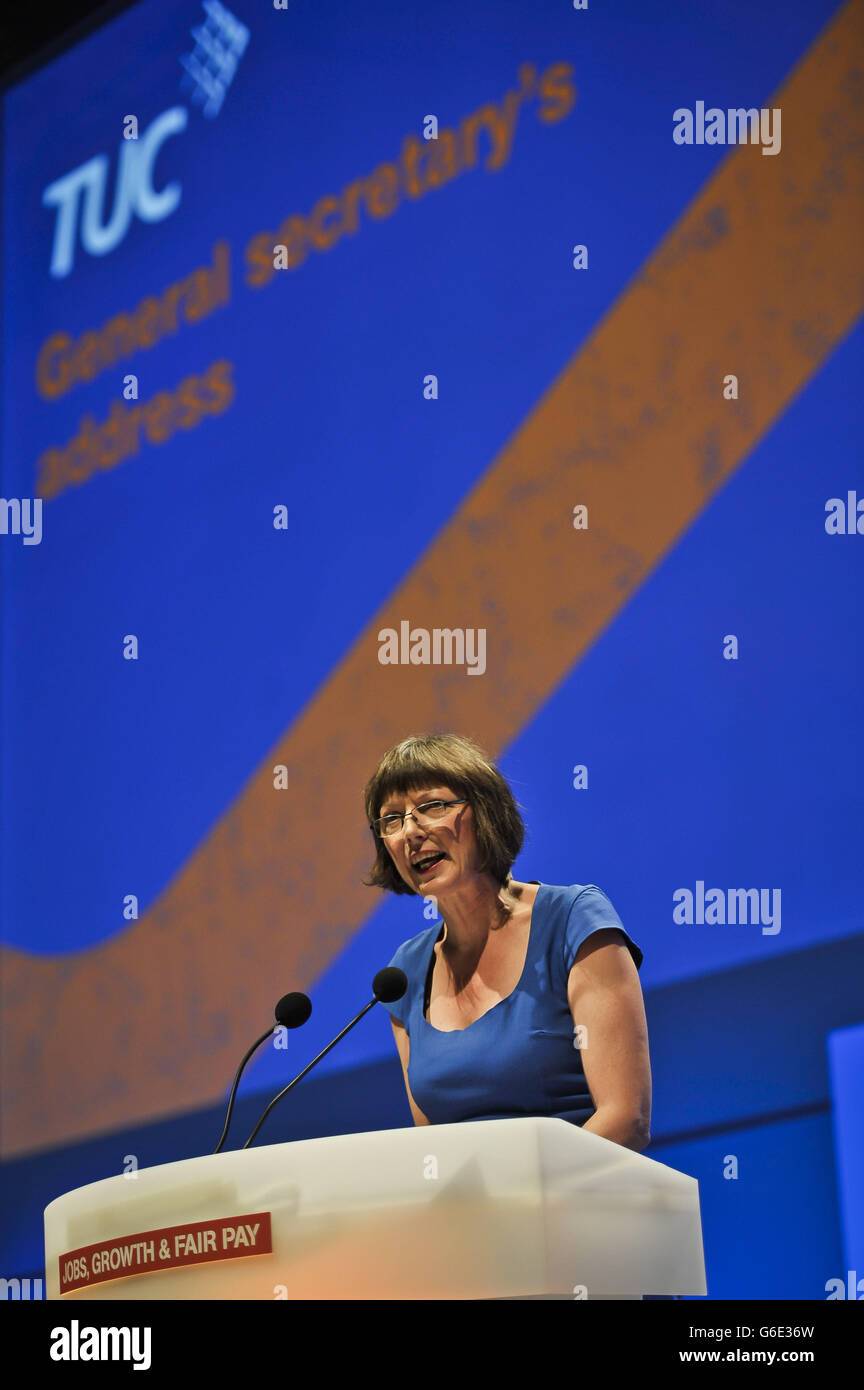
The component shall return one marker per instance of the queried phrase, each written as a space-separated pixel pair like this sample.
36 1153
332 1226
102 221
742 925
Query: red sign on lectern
193 1243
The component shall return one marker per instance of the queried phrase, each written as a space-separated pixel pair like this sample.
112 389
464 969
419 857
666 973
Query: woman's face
438 856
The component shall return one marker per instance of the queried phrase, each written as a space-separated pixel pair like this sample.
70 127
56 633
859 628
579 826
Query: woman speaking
527 1000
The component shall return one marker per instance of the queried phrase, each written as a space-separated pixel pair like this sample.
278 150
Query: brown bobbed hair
447 760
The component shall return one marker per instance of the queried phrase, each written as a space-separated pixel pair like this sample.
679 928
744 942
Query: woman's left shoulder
563 897
581 909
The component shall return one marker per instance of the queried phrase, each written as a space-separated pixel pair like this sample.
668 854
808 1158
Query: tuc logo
79 196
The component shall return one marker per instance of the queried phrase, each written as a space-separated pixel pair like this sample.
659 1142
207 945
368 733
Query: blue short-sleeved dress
519 1058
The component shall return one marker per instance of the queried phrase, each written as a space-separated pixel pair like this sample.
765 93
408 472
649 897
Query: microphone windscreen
389 984
293 1010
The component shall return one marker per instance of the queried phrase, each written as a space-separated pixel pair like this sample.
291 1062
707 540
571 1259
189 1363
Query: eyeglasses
427 814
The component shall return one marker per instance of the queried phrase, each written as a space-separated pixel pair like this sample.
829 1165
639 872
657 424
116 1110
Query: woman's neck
476 911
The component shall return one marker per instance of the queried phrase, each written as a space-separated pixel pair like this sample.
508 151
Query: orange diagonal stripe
760 278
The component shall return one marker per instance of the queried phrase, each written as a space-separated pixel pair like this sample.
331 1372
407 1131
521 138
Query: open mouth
427 862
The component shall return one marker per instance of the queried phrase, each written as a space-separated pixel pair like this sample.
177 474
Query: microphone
292 1011
388 986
